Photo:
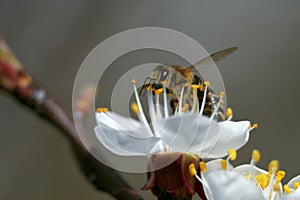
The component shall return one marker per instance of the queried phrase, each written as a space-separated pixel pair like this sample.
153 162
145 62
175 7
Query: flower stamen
231 154
254 159
181 99
157 107
222 94
192 169
206 83
229 114
151 105
195 98
202 166
224 164
279 176
287 189
166 103
135 108
262 180
138 109
296 185
273 168
193 172
255 156
253 126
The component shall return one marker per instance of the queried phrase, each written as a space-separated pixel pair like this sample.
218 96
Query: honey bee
174 77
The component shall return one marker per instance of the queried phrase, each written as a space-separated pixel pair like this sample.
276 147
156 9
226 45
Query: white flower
185 131
247 182
292 189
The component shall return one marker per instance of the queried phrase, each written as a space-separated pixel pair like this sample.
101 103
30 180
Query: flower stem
20 85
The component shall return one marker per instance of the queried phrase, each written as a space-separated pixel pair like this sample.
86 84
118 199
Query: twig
19 84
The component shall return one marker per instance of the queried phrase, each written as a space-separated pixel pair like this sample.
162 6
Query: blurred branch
20 85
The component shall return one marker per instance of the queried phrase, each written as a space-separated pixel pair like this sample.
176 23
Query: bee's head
159 77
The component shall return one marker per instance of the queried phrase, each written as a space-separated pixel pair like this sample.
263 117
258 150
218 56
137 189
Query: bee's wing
216 56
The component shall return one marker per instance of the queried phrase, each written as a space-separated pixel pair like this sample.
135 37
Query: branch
20 85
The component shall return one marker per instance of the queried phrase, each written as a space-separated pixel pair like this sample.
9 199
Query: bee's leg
145 86
143 89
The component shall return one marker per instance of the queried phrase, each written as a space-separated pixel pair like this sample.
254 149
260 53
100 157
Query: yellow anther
296 185
228 112
202 166
102 110
255 155
192 169
206 83
224 164
148 88
135 108
194 86
222 94
158 91
287 189
232 154
202 87
262 180
133 81
280 175
255 125
185 84
273 166
247 176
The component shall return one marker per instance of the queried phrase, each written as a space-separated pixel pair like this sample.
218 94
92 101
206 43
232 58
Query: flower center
156 113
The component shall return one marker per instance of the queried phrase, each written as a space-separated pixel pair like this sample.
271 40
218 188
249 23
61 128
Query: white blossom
245 182
184 131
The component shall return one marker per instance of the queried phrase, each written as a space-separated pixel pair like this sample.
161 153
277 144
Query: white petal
292 196
232 135
296 194
229 185
246 168
215 165
211 166
293 180
190 132
180 132
125 124
123 144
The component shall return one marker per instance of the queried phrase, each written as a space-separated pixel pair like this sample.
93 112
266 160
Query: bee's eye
197 80
164 75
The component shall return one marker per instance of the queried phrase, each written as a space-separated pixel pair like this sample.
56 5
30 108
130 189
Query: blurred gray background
51 38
